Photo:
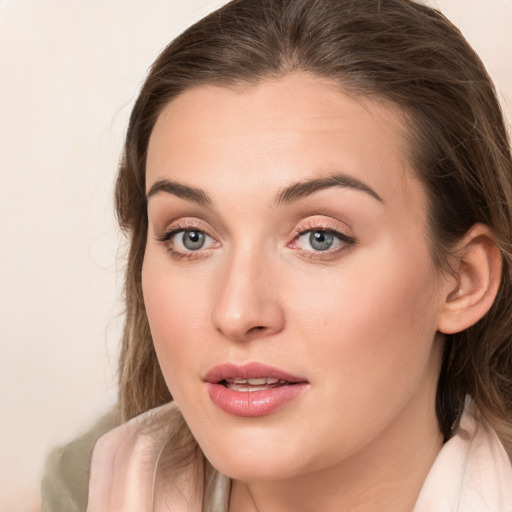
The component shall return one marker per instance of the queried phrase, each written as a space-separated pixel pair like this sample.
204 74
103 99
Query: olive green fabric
65 484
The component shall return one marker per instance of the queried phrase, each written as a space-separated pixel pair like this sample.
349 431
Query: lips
252 389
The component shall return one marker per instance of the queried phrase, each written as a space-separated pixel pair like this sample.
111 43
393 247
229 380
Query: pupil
321 240
193 240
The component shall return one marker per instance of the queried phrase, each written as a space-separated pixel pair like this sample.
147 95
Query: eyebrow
179 190
306 188
288 195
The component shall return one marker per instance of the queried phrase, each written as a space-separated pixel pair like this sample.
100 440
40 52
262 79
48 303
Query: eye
319 240
186 242
191 240
322 240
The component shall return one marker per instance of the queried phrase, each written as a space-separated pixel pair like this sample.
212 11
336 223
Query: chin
254 470
250 456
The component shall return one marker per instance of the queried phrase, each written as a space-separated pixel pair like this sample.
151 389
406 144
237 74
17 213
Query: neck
386 475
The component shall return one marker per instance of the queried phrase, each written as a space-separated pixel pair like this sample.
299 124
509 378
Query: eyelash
346 240
167 236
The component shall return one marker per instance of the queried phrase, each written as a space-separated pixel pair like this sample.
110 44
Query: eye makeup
325 240
187 239
313 238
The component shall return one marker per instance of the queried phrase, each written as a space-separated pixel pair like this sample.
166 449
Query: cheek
176 311
370 331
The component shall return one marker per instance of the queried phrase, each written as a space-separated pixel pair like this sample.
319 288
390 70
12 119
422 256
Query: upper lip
253 370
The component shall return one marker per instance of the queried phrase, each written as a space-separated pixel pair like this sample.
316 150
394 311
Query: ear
473 289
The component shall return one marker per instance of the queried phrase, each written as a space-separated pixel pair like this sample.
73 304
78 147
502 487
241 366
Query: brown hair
396 50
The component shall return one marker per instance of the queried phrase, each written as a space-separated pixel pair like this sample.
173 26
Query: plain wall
70 72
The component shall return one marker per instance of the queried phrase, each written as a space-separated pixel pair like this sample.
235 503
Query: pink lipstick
252 389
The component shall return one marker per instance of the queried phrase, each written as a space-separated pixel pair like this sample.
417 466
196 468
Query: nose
247 304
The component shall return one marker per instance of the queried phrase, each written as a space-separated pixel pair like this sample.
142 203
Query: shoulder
65 483
125 460
472 472
118 467
486 484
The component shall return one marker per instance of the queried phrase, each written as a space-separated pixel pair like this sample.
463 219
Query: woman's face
287 279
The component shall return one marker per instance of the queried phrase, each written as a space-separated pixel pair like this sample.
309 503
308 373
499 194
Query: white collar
472 472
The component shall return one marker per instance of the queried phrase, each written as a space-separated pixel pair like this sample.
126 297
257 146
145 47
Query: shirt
472 472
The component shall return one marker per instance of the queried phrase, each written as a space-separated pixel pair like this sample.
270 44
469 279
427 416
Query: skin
359 321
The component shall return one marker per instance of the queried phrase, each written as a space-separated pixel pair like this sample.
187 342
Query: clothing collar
472 472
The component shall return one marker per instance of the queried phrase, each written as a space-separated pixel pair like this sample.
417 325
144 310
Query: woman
318 195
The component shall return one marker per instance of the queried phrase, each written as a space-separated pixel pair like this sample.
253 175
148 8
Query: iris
321 240
193 240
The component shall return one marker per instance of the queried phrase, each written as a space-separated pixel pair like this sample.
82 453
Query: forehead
280 131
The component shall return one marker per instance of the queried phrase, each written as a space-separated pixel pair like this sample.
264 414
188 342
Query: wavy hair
395 50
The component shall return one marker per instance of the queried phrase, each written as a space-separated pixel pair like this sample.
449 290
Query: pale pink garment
472 472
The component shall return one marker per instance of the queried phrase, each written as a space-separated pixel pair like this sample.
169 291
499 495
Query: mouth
251 385
252 389
250 376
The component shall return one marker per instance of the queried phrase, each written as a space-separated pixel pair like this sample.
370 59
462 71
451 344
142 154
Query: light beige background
69 73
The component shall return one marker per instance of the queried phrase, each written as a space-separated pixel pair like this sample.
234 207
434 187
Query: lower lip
254 403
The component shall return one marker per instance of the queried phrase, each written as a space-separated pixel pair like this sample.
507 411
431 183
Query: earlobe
476 281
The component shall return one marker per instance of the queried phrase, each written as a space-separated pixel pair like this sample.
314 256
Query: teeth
259 384
254 382
235 387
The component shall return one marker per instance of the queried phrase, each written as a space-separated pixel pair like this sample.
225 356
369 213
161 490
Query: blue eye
192 240
189 240
321 240
183 243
